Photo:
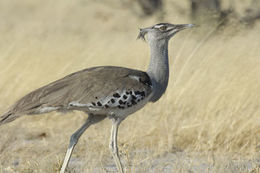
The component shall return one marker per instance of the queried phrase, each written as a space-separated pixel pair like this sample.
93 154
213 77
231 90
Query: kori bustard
105 91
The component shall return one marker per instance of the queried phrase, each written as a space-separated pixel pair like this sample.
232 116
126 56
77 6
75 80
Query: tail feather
7 117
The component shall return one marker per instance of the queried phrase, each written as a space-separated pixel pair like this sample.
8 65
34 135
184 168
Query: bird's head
161 31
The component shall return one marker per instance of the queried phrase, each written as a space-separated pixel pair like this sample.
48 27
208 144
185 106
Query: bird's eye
163 28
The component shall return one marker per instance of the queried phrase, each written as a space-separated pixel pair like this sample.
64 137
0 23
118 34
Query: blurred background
207 121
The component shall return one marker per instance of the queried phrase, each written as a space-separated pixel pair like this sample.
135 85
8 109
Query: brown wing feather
84 86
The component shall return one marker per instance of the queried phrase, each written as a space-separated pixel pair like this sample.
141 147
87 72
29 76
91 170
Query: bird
105 91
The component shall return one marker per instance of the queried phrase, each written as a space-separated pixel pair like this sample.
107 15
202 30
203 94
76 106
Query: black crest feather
141 34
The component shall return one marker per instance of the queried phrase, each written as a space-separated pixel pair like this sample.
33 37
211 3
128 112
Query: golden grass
209 113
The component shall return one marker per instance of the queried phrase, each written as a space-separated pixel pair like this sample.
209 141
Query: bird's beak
177 28
183 26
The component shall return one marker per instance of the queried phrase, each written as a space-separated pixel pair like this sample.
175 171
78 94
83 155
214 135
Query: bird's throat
158 69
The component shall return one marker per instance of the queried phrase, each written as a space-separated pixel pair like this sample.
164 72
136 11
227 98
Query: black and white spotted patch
120 100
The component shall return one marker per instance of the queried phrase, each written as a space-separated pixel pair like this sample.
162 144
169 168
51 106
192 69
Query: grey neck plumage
158 69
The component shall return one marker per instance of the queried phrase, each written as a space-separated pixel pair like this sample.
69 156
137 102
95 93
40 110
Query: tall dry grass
210 110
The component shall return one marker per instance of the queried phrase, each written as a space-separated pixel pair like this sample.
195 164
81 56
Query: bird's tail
7 117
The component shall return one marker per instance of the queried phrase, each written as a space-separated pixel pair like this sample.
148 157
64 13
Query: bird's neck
158 69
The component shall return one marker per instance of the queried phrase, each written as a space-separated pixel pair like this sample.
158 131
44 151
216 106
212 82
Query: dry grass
208 117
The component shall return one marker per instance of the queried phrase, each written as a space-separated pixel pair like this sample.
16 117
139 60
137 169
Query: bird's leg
73 141
113 143
75 137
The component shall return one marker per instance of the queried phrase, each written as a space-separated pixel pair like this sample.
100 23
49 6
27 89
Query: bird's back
94 90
